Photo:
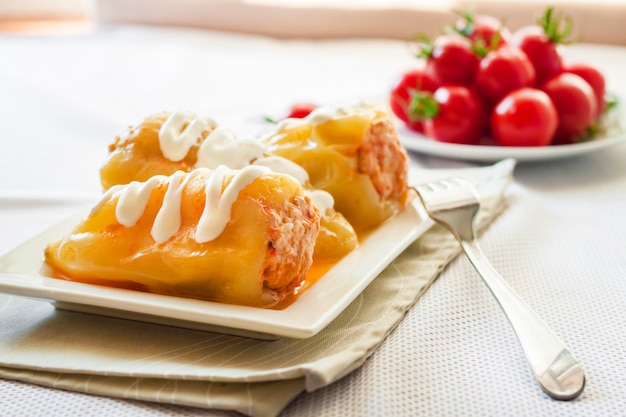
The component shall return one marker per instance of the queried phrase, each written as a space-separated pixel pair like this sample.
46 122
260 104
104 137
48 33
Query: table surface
559 243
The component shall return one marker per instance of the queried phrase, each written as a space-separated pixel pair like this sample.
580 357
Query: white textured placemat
127 359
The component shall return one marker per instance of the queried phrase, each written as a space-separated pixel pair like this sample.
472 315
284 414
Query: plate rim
614 122
486 153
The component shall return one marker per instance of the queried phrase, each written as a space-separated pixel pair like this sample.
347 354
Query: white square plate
20 274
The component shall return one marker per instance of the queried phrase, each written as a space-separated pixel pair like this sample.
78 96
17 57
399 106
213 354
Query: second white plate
423 144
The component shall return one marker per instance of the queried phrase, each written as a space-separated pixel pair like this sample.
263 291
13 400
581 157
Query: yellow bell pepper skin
353 154
137 156
336 238
260 258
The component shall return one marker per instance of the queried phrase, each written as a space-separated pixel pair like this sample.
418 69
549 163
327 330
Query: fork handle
559 374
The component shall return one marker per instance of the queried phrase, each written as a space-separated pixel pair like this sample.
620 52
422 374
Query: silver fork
453 203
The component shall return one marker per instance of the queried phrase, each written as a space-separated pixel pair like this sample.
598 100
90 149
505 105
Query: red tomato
452 61
482 30
575 104
300 110
524 117
502 71
594 78
460 118
540 50
401 95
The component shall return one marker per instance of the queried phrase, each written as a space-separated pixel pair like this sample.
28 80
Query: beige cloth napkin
127 359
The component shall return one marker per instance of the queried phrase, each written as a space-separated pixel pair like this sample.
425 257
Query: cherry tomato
502 71
524 117
460 117
452 61
540 42
483 30
540 50
594 78
401 95
300 110
575 104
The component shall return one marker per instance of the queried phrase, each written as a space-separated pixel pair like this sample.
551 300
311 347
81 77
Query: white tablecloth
559 243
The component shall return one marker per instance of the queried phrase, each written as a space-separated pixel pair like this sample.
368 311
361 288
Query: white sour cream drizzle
133 199
216 213
222 147
283 166
175 142
167 221
322 199
322 115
